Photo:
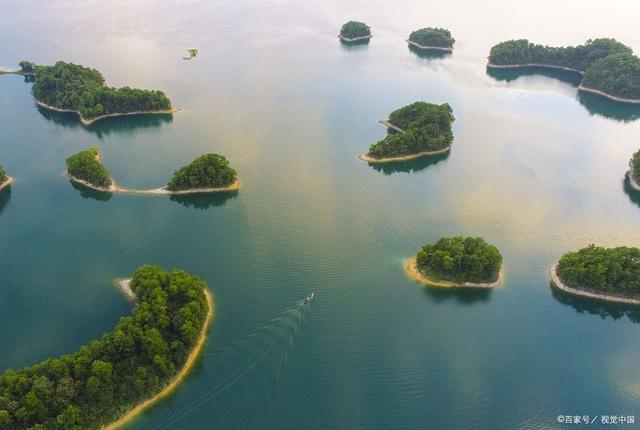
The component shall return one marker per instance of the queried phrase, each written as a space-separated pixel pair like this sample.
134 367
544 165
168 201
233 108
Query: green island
611 274
112 379
67 87
192 54
416 130
5 180
432 39
354 31
457 262
608 67
634 171
209 173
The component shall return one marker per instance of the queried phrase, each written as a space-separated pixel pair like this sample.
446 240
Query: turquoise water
535 168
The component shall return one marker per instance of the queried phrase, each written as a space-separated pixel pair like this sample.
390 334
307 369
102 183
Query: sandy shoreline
366 157
429 48
6 183
609 96
98 118
354 39
125 286
545 66
412 271
557 282
114 188
177 380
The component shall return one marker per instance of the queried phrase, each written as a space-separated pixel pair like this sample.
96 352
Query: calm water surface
535 168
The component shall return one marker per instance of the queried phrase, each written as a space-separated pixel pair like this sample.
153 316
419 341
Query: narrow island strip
192 359
430 47
557 283
7 182
540 65
584 88
412 271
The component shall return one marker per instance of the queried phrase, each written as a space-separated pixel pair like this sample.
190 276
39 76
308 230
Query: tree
436 37
206 171
27 67
353 29
85 166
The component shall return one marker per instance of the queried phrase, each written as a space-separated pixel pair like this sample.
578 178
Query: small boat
308 299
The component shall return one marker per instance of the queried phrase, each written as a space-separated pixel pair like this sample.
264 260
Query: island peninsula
608 67
468 262
609 274
5 180
418 130
67 87
432 39
110 381
355 31
209 173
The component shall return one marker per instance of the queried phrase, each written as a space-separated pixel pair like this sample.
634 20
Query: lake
535 168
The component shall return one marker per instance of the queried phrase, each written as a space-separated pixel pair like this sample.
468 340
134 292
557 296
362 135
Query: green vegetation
436 37
97 384
608 65
85 165
78 88
206 171
617 75
575 57
27 67
353 29
635 165
427 127
603 270
3 175
459 259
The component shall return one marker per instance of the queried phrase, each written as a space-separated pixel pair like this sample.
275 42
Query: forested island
355 31
609 68
5 180
458 262
634 171
416 130
126 370
432 39
209 173
611 274
67 87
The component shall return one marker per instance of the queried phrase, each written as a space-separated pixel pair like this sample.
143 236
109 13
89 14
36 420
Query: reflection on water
509 75
104 127
90 193
432 54
631 192
462 295
204 201
5 195
409 166
585 305
355 46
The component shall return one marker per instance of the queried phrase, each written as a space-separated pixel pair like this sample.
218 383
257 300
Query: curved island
608 67
68 87
457 261
209 173
110 381
418 130
432 39
5 180
610 274
354 32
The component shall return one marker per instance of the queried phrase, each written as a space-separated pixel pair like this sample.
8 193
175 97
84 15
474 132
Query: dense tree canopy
95 385
27 67
438 37
86 166
576 57
353 29
459 259
427 127
3 175
71 86
635 165
602 269
206 171
617 75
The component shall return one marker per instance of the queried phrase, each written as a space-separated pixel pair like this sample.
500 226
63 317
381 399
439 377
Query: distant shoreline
412 271
609 96
544 66
557 282
369 159
7 183
88 122
354 39
180 376
429 48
